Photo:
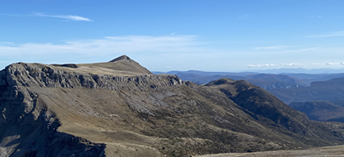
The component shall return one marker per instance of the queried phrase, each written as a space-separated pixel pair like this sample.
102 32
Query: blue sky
165 35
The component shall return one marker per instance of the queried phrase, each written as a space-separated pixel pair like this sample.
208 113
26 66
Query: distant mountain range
321 110
268 71
320 96
301 70
330 90
264 80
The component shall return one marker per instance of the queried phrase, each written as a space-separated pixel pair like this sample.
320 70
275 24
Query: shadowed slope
270 111
320 110
331 90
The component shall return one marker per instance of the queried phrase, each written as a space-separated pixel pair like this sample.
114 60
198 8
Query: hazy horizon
272 71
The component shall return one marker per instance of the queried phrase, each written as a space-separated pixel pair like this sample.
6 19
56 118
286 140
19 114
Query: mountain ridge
102 109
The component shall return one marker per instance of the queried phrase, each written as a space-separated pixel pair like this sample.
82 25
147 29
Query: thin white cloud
302 50
276 47
68 17
281 65
332 34
316 64
276 65
261 65
291 64
111 45
285 49
332 64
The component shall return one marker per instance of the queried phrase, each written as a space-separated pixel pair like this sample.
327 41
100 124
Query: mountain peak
123 57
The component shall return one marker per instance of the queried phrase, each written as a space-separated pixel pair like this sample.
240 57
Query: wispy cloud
261 65
332 34
291 64
68 17
316 64
111 45
270 47
332 64
302 50
276 65
295 64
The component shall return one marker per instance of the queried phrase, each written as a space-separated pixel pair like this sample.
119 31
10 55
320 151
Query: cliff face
28 127
53 77
120 109
29 121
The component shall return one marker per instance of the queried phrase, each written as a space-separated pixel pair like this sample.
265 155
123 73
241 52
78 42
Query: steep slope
120 109
331 90
266 81
268 110
309 78
271 81
320 110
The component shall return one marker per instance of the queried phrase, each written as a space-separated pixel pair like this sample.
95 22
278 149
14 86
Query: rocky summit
119 108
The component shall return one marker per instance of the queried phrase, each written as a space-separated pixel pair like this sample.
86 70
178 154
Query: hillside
119 108
266 81
331 90
335 151
320 110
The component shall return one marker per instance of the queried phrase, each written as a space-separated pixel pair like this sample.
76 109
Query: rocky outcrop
28 128
46 76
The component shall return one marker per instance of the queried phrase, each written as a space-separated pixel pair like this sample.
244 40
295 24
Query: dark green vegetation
120 109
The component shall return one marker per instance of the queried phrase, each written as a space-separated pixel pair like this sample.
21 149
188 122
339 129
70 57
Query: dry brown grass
331 151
